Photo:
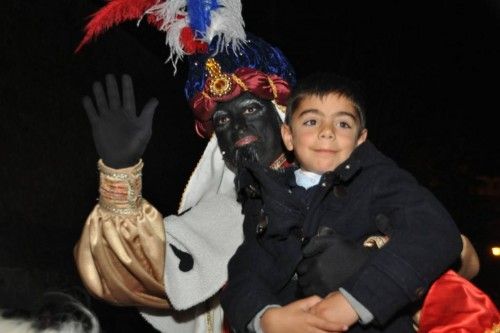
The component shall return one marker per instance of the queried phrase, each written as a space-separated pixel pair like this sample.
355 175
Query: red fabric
257 82
454 304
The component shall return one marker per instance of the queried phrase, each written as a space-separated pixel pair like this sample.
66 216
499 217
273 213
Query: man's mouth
245 141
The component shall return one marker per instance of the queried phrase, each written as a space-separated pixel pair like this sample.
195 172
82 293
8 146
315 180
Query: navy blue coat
365 188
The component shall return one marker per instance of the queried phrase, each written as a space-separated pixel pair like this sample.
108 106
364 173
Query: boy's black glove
120 135
329 259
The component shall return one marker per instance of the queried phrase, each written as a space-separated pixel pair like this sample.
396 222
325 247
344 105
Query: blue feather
199 12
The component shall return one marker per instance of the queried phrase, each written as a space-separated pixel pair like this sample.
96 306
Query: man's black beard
248 153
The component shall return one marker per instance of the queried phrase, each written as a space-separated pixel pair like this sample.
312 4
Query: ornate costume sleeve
120 254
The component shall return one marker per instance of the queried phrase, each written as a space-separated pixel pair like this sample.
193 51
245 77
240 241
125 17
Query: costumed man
128 254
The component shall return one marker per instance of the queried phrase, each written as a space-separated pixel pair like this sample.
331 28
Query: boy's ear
362 137
286 135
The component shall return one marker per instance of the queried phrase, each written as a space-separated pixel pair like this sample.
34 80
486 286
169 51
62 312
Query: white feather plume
226 22
173 17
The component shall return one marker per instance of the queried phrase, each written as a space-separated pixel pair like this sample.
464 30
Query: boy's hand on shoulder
296 317
335 308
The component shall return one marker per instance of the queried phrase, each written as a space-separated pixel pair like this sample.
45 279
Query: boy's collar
306 179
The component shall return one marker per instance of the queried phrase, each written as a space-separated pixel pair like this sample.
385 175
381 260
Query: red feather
114 13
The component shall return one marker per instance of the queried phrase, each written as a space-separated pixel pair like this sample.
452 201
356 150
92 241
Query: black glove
329 259
282 209
120 136
186 260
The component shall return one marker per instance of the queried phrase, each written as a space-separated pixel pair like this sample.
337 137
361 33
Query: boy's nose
327 133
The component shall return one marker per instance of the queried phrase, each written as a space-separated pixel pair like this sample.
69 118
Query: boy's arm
424 244
298 317
336 308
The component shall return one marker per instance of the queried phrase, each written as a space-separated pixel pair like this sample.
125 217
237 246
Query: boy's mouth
245 141
325 151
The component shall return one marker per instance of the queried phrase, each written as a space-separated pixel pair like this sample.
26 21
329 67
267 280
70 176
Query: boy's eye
344 124
310 122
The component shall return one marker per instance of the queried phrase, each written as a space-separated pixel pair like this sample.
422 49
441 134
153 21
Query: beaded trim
273 87
239 82
376 241
120 189
279 162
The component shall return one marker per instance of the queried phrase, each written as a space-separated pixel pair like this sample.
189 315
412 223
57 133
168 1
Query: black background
431 69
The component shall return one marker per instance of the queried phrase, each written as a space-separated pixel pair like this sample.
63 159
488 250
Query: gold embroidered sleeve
121 253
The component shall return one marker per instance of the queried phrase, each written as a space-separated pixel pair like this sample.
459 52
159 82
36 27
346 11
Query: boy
343 183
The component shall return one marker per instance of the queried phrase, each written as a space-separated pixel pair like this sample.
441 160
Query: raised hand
120 135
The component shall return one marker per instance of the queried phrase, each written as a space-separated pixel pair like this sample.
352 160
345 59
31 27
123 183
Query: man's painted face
248 128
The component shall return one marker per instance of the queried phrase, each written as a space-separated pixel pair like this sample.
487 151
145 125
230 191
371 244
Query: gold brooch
219 84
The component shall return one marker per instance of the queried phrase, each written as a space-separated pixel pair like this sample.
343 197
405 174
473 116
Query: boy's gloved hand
329 259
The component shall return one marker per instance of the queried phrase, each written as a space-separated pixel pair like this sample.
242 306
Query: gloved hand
120 135
283 211
329 259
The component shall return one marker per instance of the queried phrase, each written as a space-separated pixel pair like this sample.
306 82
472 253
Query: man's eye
221 120
310 122
250 110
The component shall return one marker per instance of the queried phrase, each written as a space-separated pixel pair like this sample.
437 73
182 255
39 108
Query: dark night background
431 69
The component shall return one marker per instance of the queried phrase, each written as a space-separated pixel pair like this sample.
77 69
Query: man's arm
120 254
425 242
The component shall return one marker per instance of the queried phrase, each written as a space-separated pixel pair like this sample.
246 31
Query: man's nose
240 124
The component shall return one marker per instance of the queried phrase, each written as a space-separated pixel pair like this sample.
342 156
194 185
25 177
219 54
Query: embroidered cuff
120 190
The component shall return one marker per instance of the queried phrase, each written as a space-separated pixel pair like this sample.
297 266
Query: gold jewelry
239 82
273 87
494 329
375 241
279 162
120 190
219 84
279 107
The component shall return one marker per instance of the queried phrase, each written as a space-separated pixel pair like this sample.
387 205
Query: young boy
345 184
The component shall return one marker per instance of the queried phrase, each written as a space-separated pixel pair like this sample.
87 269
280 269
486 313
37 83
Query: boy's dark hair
323 84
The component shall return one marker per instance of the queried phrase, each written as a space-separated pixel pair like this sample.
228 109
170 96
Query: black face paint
248 128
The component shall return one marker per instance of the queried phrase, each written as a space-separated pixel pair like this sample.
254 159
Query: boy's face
323 132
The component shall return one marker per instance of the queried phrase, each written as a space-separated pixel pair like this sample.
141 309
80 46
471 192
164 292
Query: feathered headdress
190 25
223 60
